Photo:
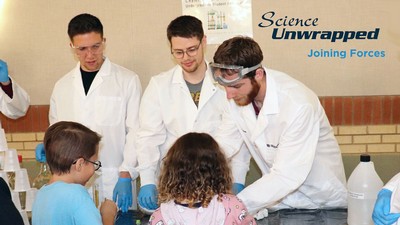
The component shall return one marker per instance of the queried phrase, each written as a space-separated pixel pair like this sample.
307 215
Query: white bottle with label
363 187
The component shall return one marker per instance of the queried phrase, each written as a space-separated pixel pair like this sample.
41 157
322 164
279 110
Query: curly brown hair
194 170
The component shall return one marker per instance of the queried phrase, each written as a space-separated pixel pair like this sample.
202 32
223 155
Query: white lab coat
394 186
393 182
293 144
12 108
167 111
111 109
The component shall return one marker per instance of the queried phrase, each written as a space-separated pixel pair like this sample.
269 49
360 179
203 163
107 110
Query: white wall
34 41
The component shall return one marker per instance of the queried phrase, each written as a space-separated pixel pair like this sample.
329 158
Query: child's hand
108 209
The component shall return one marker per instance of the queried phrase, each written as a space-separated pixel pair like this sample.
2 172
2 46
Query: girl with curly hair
195 186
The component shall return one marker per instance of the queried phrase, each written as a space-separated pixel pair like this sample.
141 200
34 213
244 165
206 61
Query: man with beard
181 100
285 129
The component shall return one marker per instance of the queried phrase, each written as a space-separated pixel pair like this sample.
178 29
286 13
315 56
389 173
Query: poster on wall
222 19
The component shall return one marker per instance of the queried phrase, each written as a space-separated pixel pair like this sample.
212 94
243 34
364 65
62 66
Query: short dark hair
84 23
240 51
194 169
185 26
65 142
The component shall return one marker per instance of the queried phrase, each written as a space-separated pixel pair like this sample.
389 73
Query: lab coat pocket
108 110
268 152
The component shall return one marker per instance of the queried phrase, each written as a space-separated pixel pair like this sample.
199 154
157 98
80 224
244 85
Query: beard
255 88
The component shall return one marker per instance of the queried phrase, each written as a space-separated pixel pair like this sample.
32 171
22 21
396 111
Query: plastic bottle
363 187
43 176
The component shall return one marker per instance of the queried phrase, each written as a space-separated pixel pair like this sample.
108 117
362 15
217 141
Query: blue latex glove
381 214
237 188
148 196
3 71
40 153
122 193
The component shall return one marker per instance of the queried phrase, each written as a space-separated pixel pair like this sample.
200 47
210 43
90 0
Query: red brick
338 111
347 111
367 110
12 125
396 110
328 106
387 105
358 111
376 113
35 118
44 117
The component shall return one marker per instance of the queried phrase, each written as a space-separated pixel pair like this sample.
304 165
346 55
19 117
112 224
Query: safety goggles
229 74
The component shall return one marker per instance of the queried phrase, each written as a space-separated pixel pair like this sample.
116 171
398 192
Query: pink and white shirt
230 211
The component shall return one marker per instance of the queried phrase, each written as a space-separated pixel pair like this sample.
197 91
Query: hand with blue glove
237 188
40 153
122 194
148 197
381 214
3 71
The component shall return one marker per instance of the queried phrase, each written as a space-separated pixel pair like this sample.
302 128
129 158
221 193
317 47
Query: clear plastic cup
11 162
15 199
22 180
24 216
30 197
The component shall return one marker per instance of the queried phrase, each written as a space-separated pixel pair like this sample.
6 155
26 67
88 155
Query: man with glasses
105 97
285 129
181 100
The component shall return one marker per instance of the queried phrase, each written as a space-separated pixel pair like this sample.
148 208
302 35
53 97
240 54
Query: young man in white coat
14 101
181 100
104 97
285 129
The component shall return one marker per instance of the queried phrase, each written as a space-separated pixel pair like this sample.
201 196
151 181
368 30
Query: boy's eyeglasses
96 164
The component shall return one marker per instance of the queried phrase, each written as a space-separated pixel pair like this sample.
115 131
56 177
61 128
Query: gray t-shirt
195 90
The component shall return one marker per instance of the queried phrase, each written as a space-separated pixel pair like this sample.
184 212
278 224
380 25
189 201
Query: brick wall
361 124
371 138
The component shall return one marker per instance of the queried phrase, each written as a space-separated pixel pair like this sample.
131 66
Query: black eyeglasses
192 51
96 164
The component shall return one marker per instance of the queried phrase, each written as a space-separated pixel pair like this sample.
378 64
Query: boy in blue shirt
72 153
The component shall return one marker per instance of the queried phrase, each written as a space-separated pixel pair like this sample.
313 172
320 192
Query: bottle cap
365 158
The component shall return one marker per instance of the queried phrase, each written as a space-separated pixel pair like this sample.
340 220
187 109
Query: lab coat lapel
249 116
183 91
105 70
207 90
243 117
270 107
78 83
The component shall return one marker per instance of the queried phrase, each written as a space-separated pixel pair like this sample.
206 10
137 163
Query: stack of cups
22 185
17 203
18 181
11 164
30 197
